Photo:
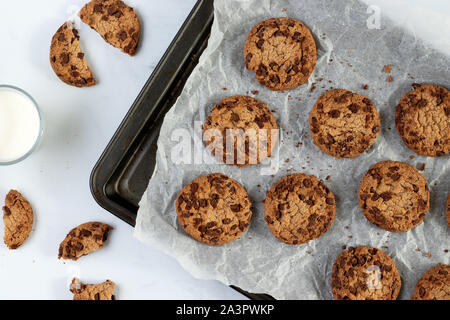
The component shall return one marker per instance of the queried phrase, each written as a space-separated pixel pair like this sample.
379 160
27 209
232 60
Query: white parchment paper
350 55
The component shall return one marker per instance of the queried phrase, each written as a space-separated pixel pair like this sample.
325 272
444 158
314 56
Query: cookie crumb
390 78
387 68
255 92
421 166
365 87
224 89
411 157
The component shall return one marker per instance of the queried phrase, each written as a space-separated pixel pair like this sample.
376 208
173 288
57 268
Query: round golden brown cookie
214 209
67 59
447 209
83 240
116 22
245 124
434 284
344 124
18 219
102 291
364 273
422 118
299 208
394 196
282 53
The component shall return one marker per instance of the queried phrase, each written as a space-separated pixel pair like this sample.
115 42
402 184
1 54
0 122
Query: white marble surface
78 125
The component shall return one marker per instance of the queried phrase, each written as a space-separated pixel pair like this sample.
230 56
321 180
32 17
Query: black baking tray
122 173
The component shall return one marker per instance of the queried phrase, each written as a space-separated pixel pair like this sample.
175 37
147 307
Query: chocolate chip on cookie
344 124
422 119
299 208
83 240
434 284
282 53
364 273
244 123
102 291
116 22
67 59
394 196
214 209
17 218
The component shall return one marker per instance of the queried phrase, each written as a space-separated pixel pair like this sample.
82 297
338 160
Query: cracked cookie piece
299 208
102 291
344 124
364 273
394 196
246 124
422 119
282 53
214 209
67 59
84 239
17 218
116 22
434 284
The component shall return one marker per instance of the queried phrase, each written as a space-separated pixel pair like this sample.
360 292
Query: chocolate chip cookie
282 53
422 118
434 284
344 124
394 196
67 59
116 22
84 239
364 273
214 209
102 291
17 218
299 208
246 125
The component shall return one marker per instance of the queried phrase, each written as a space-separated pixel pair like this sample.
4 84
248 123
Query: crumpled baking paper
352 52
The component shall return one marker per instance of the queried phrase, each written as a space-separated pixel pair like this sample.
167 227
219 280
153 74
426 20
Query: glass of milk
20 125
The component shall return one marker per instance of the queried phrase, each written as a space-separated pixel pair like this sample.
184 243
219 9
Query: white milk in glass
19 124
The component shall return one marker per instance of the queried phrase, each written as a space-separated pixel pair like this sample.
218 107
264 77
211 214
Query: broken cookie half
84 239
102 291
116 22
17 218
67 59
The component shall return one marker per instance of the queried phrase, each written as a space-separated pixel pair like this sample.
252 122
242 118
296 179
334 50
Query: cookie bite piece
344 124
434 284
18 219
364 273
246 125
394 196
102 291
84 239
115 21
214 209
281 52
67 58
422 118
299 208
